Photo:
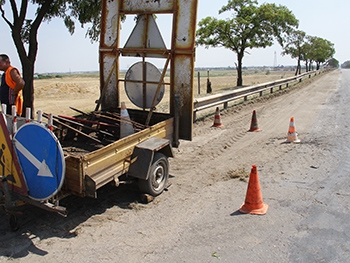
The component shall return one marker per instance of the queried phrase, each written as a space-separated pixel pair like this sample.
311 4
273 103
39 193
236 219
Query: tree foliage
321 50
24 29
333 63
250 26
315 49
346 64
294 46
308 49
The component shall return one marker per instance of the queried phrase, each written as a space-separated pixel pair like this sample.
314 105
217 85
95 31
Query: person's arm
18 79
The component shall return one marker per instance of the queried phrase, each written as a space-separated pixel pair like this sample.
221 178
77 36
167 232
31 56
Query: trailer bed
90 165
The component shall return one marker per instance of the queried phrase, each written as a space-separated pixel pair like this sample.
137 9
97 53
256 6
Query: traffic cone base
217 119
260 211
292 135
292 138
254 123
253 202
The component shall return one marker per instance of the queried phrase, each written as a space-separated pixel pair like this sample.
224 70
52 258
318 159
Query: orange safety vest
12 84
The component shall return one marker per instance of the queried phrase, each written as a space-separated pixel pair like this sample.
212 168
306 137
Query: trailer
49 158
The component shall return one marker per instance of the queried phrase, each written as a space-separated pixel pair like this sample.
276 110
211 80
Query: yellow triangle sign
9 165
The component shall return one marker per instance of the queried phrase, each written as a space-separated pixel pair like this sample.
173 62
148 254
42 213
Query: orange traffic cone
292 135
254 123
253 202
126 127
217 119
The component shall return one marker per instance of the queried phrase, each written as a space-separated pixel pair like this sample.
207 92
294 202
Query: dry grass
239 173
223 80
55 95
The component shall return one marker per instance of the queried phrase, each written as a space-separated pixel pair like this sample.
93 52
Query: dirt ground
197 220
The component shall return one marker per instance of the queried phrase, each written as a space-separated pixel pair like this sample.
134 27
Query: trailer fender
142 156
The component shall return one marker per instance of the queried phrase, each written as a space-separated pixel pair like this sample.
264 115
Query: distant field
56 93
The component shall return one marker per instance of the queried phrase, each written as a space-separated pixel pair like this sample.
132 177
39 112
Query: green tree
24 29
317 49
322 50
307 53
346 64
250 26
333 63
294 47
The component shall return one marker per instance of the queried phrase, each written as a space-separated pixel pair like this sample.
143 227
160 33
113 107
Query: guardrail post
260 93
245 98
199 82
271 90
280 88
209 90
225 105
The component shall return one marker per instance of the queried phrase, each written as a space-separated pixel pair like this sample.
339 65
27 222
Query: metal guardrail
226 97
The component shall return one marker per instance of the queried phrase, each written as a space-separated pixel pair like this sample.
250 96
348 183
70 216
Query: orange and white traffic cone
50 122
28 112
14 122
217 119
254 123
292 135
126 127
253 202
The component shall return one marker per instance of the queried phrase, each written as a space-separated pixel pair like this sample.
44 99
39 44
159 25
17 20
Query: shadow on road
37 224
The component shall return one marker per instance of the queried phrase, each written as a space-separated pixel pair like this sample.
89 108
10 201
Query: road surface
305 185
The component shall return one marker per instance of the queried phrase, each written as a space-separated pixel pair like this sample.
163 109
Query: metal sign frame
181 53
10 167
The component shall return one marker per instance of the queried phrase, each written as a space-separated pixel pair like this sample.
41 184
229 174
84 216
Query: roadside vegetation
346 64
253 26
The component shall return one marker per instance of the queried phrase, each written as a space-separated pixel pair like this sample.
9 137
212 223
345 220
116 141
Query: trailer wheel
158 176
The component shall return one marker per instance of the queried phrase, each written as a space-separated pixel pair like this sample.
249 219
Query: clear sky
61 52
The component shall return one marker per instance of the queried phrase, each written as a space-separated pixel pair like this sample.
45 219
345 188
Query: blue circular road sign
42 161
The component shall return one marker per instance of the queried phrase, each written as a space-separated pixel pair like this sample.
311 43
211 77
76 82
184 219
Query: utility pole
275 62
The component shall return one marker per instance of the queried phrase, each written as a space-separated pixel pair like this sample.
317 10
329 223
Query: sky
61 52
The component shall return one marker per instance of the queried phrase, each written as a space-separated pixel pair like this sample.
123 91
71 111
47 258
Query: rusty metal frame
181 53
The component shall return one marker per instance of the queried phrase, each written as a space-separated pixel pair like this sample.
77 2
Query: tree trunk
317 65
28 91
239 69
298 67
27 70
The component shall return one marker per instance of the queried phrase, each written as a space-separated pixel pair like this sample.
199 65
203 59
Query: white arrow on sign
41 166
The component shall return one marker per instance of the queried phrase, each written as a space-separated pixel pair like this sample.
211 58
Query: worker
11 85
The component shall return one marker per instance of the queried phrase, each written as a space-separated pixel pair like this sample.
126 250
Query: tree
306 53
294 47
333 63
322 50
24 29
251 26
346 64
317 50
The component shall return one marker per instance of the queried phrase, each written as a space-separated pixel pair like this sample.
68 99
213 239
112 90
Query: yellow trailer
93 149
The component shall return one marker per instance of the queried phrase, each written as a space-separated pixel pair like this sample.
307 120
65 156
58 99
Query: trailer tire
158 176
